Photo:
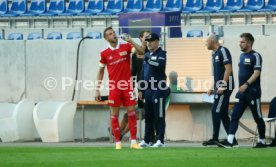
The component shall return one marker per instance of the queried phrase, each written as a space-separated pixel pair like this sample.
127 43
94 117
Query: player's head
246 42
212 42
143 34
152 42
110 35
173 78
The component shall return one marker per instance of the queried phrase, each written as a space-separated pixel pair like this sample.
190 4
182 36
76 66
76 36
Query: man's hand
98 96
140 96
209 92
243 88
220 90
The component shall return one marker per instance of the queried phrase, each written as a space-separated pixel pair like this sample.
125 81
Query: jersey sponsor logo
217 59
153 57
124 53
247 61
118 61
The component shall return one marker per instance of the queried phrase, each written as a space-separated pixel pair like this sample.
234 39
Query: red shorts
125 97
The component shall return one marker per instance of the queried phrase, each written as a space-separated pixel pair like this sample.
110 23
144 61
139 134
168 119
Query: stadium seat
113 7
252 5
194 33
74 35
0 36
15 36
94 7
95 35
16 121
54 36
37 7
153 6
232 5
56 7
18 7
3 7
54 120
74 7
192 6
134 6
271 6
34 35
173 6
212 6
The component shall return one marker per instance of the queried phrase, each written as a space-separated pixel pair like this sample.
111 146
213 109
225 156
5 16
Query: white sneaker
144 144
158 144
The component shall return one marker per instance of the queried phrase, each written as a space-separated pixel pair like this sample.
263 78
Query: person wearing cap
154 91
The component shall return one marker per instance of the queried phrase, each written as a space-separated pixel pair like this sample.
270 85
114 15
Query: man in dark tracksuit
155 91
250 66
222 87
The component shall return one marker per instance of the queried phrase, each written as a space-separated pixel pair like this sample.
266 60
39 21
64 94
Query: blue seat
37 7
18 7
271 6
15 36
153 6
74 7
252 5
3 7
54 36
173 6
74 35
94 7
192 6
113 7
56 7
232 5
212 6
95 35
34 35
0 36
194 33
134 6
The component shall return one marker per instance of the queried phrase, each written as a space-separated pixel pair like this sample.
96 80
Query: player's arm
254 76
99 82
227 73
140 50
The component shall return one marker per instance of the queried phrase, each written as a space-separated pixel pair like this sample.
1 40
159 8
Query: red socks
115 127
132 124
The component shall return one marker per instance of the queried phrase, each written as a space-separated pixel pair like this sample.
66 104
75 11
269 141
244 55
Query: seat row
53 36
97 7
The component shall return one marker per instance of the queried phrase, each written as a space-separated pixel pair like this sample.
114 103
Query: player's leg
124 125
224 114
255 106
149 118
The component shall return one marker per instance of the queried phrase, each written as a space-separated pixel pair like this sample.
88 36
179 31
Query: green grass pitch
109 157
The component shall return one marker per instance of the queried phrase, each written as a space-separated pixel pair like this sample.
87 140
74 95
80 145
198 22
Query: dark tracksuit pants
154 115
220 113
242 101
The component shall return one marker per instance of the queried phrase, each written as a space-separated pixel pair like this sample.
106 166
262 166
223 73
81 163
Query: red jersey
117 61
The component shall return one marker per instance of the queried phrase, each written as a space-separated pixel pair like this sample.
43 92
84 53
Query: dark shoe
210 142
235 143
260 145
225 144
273 143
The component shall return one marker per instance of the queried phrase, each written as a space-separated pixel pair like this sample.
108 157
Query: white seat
16 121
54 120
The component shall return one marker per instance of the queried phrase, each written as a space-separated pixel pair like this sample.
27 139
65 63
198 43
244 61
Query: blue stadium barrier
37 7
153 6
54 36
194 33
15 36
94 7
173 6
192 6
95 35
56 7
212 6
252 5
134 6
74 35
271 6
3 7
74 7
232 6
18 7
34 35
113 7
